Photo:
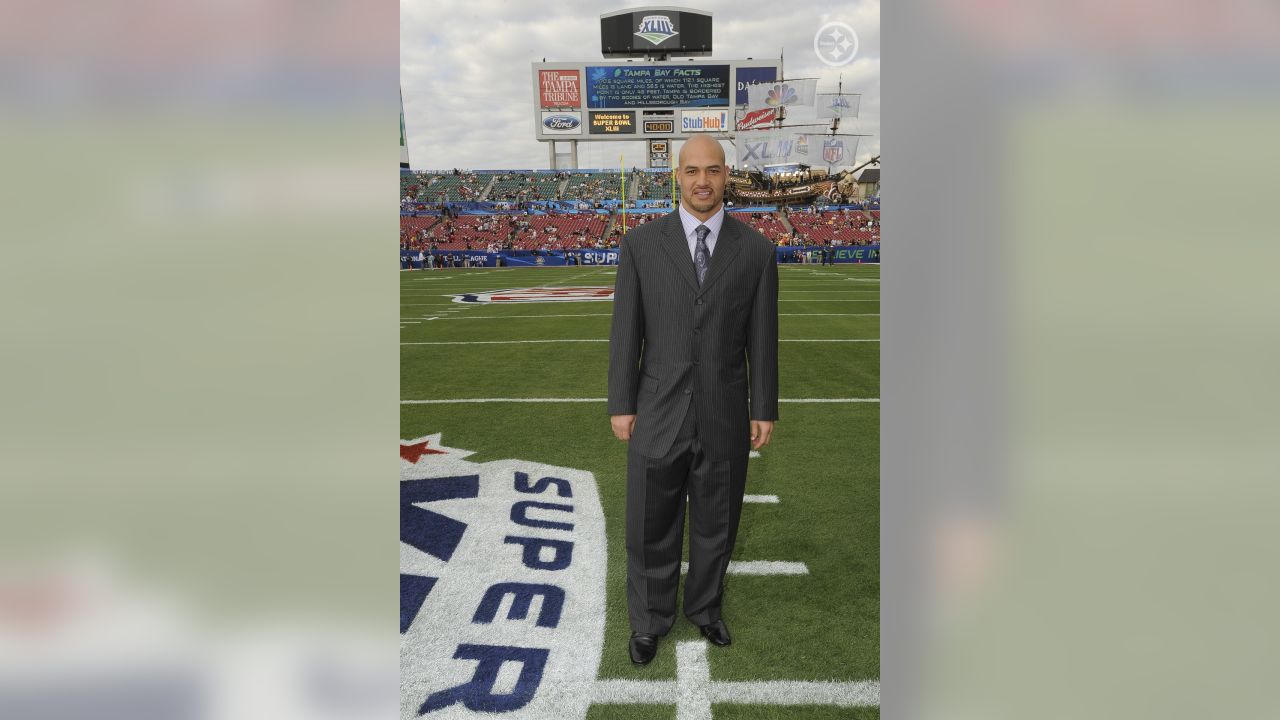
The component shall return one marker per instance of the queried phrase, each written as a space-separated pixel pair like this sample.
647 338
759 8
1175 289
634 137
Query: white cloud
466 77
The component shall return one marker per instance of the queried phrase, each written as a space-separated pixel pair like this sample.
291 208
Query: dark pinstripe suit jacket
673 342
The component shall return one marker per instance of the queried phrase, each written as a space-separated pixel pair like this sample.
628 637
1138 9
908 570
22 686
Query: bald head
702 176
701 146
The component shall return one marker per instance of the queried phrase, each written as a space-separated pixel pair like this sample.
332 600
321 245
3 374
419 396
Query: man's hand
622 426
761 432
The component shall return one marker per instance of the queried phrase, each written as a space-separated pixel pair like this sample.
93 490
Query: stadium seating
593 186
434 187
636 219
812 225
651 184
411 229
526 186
474 232
570 231
843 227
766 222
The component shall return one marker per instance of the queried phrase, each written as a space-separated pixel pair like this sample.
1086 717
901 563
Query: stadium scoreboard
646 31
642 100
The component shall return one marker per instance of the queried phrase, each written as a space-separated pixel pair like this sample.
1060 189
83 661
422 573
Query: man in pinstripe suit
695 326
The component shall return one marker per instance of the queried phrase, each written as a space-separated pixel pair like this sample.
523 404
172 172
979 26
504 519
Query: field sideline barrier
844 254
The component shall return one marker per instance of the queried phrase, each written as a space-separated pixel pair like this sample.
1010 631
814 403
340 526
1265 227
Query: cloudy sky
466 78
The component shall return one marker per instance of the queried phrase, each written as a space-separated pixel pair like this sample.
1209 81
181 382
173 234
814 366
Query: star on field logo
835 43
657 29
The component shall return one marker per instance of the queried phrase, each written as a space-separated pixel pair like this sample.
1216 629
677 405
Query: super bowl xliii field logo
502 569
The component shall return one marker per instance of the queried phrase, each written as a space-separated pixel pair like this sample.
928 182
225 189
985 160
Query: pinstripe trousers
657 490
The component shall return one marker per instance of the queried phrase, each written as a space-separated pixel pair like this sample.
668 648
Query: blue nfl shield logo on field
833 151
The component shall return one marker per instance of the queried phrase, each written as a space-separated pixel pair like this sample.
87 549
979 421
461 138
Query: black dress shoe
717 633
643 647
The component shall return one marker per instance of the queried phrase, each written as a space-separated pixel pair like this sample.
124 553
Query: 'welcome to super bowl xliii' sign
606 123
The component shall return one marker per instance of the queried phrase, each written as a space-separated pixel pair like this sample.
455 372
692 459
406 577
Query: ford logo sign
561 122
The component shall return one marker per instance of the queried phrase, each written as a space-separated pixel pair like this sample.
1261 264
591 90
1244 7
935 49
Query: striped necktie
701 255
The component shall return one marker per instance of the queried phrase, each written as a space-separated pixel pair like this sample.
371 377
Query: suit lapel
677 249
728 245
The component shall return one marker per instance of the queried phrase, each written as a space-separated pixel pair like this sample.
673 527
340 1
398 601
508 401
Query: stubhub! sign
704 121
502 570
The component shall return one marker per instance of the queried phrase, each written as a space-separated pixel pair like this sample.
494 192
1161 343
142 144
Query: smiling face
702 176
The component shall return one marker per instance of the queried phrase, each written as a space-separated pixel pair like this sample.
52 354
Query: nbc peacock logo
657 29
781 95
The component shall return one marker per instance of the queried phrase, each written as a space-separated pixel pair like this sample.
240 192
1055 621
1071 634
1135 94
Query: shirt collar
691 223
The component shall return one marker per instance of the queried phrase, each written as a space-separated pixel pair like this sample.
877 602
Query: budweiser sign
757 118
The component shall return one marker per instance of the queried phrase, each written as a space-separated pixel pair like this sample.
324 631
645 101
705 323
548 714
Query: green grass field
823 463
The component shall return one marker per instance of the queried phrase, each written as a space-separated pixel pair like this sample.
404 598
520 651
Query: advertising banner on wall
559 89
748 76
790 93
562 123
705 121
757 148
758 119
834 105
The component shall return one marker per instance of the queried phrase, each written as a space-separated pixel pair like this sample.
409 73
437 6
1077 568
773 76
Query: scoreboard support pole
551 154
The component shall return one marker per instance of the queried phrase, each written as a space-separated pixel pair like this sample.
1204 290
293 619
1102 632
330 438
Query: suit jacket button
698 301
687 391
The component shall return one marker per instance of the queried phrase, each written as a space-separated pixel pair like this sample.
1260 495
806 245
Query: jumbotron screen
610 100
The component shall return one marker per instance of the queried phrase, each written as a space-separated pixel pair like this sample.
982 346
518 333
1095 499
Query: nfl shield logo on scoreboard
833 151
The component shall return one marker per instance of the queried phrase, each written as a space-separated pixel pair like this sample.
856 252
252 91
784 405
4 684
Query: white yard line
694 692
764 499
760 567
